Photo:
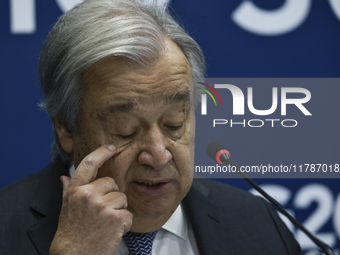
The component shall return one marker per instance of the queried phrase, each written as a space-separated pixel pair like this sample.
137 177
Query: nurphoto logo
238 107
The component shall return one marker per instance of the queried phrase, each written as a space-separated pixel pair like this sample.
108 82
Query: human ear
65 136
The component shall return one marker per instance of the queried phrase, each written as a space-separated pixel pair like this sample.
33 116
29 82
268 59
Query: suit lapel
46 204
209 221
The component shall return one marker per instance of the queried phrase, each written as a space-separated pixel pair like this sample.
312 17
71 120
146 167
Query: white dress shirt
176 236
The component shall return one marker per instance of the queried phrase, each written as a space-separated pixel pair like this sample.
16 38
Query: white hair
96 29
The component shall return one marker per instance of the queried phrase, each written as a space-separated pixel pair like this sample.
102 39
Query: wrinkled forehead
180 98
113 78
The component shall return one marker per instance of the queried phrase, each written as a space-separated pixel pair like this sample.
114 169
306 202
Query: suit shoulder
218 192
236 201
245 213
18 192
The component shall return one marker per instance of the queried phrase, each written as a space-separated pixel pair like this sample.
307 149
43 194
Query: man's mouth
152 188
150 184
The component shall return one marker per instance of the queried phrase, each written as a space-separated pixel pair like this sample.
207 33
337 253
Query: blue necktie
140 243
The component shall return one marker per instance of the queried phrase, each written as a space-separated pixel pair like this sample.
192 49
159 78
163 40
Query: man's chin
154 204
150 215
153 208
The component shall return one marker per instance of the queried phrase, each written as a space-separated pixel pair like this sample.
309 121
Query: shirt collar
72 170
176 224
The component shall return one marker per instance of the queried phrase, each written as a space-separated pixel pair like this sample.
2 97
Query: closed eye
127 136
174 128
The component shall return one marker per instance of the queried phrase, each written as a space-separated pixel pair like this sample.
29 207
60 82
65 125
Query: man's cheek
185 140
81 149
116 168
84 144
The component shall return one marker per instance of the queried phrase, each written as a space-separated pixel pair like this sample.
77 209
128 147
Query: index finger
87 170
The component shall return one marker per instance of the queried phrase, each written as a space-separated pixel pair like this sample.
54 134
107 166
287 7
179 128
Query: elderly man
119 84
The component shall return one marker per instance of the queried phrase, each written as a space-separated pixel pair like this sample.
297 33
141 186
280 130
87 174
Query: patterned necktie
140 243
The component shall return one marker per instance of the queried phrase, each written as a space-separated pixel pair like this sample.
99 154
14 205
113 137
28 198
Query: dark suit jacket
225 220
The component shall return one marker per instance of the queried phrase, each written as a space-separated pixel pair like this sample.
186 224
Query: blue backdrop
258 38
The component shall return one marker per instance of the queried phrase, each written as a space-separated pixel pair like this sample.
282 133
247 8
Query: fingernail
110 147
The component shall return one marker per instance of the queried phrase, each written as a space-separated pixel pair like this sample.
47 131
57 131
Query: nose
154 149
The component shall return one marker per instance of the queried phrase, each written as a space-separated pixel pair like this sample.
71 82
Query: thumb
65 180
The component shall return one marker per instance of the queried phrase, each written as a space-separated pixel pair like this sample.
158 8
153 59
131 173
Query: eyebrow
123 107
179 96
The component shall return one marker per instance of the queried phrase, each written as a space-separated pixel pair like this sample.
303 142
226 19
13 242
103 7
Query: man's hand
93 216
